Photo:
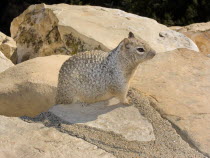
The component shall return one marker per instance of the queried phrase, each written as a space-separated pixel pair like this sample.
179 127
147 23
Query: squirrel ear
126 41
130 35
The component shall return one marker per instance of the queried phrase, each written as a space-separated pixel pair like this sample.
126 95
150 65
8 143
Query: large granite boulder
29 88
8 46
21 139
5 63
199 33
179 81
43 30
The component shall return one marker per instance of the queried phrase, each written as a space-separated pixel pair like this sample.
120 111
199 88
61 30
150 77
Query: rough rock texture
64 29
7 46
19 139
4 62
199 33
30 87
108 116
180 83
167 144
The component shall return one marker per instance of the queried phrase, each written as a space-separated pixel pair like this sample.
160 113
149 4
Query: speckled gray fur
96 75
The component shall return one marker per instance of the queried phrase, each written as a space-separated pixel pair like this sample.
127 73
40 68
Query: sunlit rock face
5 63
43 30
179 82
199 33
29 88
8 47
22 139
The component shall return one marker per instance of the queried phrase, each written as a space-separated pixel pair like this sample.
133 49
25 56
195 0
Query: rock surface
199 33
7 46
179 82
29 88
108 116
167 144
21 139
4 62
43 30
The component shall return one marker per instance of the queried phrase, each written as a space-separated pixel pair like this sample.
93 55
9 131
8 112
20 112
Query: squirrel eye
140 49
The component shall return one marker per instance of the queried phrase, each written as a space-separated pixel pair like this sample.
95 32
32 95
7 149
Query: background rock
179 82
29 88
7 46
43 30
199 33
21 139
4 62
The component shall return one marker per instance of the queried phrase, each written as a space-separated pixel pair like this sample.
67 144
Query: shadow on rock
79 113
76 113
106 115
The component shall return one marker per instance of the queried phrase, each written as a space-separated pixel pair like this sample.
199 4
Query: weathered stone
4 62
167 143
65 29
29 88
108 116
21 139
180 83
199 33
7 45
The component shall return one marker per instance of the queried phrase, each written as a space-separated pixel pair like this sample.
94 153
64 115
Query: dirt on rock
167 144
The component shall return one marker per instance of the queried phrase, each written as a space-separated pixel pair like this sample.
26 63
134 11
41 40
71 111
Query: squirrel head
136 49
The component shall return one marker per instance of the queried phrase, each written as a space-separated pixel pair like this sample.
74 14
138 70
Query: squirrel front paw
125 102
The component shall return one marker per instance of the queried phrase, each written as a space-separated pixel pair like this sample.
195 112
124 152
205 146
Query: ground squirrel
94 76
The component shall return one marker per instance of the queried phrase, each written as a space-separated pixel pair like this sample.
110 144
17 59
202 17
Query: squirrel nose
152 53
